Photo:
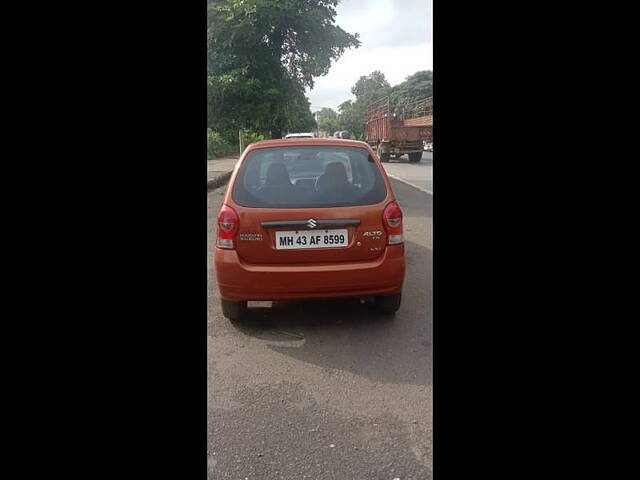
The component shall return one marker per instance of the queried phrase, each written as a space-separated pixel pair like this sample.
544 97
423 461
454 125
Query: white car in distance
299 135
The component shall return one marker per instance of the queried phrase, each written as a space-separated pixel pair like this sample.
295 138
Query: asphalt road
325 389
418 174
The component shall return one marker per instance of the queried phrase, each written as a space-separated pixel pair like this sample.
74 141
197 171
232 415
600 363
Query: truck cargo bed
426 121
417 124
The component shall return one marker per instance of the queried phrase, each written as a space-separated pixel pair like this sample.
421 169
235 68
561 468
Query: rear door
324 214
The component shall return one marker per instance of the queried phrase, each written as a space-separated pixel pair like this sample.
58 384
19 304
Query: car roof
289 142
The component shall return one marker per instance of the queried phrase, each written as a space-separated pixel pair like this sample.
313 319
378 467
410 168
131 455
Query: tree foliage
328 120
372 85
353 114
299 116
416 86
261 54
349 119
216 145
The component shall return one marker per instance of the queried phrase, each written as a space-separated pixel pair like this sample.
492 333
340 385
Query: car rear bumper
238 280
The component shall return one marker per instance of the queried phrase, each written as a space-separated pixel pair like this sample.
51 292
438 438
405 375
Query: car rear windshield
308 176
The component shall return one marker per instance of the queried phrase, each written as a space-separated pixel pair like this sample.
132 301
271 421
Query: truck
398 134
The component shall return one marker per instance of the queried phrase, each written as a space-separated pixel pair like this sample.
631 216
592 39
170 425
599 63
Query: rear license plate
291 240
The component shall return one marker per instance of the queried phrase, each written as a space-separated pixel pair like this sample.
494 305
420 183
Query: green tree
374 84
350 120
416 86
299 116
328 120
261 54
353 114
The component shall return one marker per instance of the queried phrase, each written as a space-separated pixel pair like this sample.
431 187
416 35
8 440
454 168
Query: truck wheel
415 157
233 310
388 304
383 156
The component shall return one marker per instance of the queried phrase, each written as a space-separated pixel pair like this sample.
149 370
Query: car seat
277 186
334 182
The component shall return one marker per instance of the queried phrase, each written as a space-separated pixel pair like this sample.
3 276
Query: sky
396 38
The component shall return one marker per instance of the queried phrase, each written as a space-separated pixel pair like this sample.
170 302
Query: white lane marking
410 184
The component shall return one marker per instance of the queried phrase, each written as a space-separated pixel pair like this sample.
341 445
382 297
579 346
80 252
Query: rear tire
388 304
415 157
383 156
233 310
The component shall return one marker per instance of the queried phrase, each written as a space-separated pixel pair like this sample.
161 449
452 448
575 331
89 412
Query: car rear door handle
305 224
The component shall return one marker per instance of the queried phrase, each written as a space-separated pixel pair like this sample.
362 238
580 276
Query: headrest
277 174
336 171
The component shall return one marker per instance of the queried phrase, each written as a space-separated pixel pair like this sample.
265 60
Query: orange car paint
255 270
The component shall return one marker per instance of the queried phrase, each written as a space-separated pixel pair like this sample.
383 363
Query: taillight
227 227
392 220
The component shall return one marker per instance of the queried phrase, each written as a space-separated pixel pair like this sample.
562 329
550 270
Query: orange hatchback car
309 218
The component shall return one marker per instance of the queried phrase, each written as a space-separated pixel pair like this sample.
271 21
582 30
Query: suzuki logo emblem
311 223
